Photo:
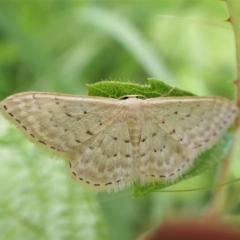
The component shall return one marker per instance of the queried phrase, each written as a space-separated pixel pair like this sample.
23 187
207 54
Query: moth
109 143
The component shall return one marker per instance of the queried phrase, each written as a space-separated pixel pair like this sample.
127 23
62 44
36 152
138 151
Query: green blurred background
61 45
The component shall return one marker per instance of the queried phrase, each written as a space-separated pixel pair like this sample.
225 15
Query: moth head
132 97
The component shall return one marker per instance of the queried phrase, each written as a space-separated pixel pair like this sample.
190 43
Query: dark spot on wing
162 176
10 114
52 147
127 141
89 132
115 155
42 142
18 120
114 138
176 112
152 175
74 173
70 165
154 134
143 139
87 182
188 115
109 183
68 114
24 127
32 135
128 156
96 184
143 154
78 141
85 112
172 132
5 107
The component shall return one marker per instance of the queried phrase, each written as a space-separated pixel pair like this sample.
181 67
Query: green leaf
116 89
38 198
157 88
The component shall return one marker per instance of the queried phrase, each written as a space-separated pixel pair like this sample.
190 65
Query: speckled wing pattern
105 160
176 130
110 143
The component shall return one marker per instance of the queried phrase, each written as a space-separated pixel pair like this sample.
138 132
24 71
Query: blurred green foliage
61 45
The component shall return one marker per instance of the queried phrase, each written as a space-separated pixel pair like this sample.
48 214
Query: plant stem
218 200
